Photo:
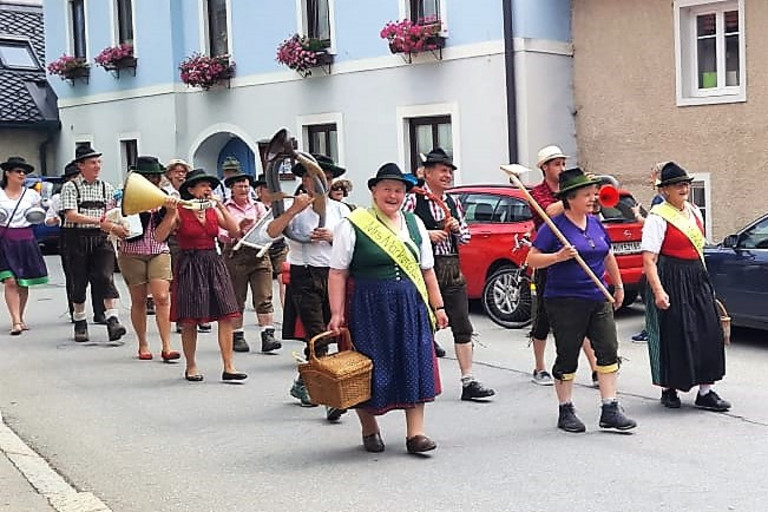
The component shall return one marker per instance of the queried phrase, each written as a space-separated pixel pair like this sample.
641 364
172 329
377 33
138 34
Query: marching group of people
390 273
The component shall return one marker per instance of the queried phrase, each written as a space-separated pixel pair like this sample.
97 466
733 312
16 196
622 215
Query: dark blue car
738 268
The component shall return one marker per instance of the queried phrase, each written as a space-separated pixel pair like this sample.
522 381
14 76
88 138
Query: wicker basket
339 380
725 321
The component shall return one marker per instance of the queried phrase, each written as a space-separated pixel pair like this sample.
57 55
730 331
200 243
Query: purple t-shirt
567 278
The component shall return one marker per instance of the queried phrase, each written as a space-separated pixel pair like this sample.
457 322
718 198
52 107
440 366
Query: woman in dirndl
388 313
685 338
21 263
202 290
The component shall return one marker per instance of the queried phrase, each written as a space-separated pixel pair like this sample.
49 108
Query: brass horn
141 195
278 150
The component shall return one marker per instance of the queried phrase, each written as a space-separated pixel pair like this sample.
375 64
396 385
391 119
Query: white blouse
29 199
655 228
344 239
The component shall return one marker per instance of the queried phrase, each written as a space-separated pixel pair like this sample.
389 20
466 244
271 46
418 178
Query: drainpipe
509 60
42 153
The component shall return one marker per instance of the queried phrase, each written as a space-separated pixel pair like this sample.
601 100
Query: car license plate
626 248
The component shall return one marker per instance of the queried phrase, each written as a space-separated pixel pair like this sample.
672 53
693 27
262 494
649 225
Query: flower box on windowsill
81 73
409 38
302 54
124 63
204 71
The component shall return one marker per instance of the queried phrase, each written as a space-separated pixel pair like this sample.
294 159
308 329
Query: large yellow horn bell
140 195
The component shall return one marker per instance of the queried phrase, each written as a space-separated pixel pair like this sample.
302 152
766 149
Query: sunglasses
337 188
18 171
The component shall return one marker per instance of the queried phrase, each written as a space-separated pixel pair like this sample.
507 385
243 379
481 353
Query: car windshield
620 213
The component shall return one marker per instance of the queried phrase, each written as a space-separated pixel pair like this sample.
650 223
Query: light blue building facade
368 107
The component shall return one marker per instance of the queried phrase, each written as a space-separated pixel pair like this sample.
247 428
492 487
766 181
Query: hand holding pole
514 170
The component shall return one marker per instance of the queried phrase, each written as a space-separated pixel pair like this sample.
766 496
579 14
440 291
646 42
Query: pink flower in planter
112 55
203 71
66 65
408 37
300 53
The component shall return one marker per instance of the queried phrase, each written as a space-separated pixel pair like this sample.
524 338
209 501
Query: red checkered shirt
146 245
545 197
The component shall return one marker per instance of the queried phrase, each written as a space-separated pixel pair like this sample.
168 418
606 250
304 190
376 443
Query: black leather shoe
669 399
268 341
115 329
204 328
712 402
568 421
439 351
476 391
81 331
238 342
334 413
233 376
373 443
419 444
193 378
612 416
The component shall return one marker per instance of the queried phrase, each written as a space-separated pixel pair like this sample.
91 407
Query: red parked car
501 225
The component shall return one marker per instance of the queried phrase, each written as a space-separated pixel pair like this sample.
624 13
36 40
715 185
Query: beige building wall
26 143
627 119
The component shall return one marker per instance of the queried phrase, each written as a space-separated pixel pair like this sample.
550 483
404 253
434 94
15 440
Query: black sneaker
568 421
268 341
669 399
204 328
151 306
439 351
612 416
238 342
712 402
81 331
115 329
474 391
334 413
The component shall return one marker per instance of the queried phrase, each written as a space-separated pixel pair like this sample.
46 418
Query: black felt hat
148 165
261 181
70 170
84 152
439 156
390 171
326 163
672 173
17 162
193 177
572 179
238 176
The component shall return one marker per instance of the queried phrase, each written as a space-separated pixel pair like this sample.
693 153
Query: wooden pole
512 171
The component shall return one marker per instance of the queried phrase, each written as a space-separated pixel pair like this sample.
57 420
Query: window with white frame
323 139
124 21
316 20
217 27
428 133
424 12
129 153
77 28
700 196
710 47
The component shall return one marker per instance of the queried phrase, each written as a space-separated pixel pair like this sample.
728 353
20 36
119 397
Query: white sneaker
542 378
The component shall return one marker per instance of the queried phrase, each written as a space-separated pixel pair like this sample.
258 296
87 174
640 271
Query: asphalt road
141 438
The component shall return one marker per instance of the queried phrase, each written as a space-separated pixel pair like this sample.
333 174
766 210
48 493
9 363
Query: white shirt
313 254
655 228
344 238
29 199
54 208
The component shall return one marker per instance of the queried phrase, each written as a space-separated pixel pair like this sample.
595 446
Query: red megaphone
608 196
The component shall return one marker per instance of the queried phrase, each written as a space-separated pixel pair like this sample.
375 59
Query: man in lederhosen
246 266
307 294
55 217
446 235
90 256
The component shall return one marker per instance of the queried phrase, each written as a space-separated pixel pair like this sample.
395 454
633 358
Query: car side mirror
731 241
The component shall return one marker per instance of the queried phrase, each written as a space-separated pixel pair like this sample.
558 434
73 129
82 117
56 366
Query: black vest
424 212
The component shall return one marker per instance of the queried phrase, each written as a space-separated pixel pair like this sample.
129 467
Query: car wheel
507 298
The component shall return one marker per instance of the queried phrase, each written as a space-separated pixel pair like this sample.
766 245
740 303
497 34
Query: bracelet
618 287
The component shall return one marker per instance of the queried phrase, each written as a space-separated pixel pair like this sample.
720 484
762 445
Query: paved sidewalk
17 494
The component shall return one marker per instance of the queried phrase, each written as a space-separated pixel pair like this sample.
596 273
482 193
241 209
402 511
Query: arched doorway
213 148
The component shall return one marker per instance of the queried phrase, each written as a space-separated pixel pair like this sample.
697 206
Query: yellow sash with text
685 224
395 248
